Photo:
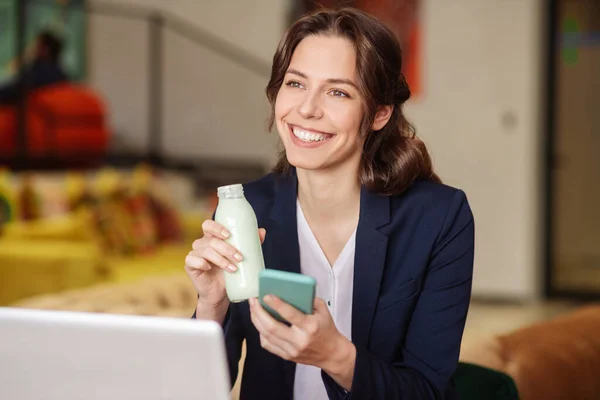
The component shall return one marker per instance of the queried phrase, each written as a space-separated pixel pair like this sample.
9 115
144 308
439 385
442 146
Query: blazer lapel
369 261
283 251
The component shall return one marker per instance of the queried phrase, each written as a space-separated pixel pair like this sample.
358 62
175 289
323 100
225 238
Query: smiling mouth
309 136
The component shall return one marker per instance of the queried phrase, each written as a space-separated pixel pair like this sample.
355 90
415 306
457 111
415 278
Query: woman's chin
305 163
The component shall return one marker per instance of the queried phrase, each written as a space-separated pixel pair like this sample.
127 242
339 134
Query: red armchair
64 121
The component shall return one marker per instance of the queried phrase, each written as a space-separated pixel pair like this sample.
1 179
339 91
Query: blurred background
119 119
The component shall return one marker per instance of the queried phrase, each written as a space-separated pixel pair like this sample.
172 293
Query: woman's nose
310 107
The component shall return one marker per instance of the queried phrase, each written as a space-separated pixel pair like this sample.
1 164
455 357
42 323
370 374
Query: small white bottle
237 216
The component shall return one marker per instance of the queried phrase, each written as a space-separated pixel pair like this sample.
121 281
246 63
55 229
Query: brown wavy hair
393 157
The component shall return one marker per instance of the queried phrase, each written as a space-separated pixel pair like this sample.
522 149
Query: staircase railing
158 21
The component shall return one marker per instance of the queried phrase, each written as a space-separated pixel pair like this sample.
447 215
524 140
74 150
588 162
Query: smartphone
295 289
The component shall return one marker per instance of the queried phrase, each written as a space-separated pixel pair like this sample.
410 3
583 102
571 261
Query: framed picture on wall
402 17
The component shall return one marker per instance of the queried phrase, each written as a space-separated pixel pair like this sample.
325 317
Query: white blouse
334 285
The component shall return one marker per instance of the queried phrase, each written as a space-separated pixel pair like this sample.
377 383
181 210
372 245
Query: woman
353 202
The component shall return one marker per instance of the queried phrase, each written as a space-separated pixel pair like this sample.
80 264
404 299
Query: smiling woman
353 202
363 91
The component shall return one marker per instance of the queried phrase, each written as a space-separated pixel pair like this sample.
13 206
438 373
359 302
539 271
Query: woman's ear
382 117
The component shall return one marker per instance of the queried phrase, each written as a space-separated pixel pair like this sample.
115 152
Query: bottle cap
231 191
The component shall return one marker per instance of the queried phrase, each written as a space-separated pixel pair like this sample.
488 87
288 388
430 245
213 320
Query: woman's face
318 110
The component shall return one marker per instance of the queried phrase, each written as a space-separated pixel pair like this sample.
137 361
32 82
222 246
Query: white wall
213 107
482 61
117 68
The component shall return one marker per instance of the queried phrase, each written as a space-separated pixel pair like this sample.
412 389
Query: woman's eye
339 93
294 84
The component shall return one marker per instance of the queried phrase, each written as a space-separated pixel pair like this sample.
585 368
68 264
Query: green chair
474 382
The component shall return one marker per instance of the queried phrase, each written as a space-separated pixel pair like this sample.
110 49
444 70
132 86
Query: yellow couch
53 255
170 294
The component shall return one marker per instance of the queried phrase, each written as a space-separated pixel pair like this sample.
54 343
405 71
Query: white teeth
306 136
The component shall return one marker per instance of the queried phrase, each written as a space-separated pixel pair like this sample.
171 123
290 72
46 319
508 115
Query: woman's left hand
311 339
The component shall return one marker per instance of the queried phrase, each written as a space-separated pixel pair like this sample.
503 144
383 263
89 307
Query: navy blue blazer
412 285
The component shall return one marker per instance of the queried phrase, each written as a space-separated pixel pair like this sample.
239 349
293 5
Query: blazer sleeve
432 346
234 336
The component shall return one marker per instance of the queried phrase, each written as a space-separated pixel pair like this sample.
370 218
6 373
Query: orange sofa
550 360
63 120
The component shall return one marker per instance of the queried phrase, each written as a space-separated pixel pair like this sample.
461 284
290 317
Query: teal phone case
295 289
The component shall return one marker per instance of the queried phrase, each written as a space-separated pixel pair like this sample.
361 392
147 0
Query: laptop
64 355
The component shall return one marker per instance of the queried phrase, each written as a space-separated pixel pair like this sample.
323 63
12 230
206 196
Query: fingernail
192 261
238 256
231 268
225 234
268 298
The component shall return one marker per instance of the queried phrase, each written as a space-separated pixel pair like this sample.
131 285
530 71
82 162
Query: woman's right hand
204 263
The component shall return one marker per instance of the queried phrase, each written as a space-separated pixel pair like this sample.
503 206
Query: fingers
266 344
221 247
273 334
224 249
194 262
212 250
287 311
212 228
262 233
211 257
320 306
264 322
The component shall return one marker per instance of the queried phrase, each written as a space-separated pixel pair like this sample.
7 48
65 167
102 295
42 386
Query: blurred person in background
43 70
354 202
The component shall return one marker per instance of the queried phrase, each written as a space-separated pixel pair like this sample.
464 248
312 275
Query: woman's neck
331 195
